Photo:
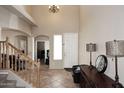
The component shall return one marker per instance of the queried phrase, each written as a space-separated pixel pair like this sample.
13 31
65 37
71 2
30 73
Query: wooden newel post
7 53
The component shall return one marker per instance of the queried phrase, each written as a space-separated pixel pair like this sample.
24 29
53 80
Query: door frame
36 45
44 45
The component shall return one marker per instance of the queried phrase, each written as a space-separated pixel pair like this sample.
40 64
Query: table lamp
90 48
115 49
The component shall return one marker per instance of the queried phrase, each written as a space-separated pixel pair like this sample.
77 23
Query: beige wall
28 8
99 24
31 46
24 8
12 36
66 20
13 40
14 24
11 21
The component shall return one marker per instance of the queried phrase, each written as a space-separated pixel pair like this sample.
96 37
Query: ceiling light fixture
53 8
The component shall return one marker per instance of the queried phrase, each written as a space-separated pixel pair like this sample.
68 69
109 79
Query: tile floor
50 78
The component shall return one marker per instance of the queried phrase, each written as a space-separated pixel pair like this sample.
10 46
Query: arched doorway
16 38
42 49
22 43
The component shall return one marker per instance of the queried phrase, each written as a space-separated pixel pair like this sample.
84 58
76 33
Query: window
57 47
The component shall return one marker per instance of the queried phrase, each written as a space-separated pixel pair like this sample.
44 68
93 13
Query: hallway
50 78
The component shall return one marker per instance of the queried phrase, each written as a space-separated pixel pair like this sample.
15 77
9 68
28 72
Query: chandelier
53 8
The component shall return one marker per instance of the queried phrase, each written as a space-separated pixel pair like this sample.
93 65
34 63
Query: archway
41 43
21 42
16 37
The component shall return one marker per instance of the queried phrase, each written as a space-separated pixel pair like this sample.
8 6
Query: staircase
4 83
14 60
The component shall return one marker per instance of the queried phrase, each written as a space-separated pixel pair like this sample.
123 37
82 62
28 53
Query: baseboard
68 69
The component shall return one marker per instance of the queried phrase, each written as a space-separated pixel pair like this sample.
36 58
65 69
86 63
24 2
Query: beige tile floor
50 78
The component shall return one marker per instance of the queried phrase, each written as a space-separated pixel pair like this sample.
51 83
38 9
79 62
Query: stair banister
25 67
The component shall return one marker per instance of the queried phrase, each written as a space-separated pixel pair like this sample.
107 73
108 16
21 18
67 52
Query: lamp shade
90 47
115 48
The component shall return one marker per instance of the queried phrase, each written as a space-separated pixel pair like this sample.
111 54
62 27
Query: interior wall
9 20
12 36
99 24
21 41
31 46
28 9
66 20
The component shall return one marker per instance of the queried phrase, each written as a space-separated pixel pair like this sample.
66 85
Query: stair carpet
5 83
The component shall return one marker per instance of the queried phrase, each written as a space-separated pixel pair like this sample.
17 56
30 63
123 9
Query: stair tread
5 83
19 87
11 87
8 83
3 72
7 86
3 77
13 81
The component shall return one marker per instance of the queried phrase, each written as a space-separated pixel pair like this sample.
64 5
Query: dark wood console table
90 78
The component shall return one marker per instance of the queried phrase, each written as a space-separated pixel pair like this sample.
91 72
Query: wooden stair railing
15 60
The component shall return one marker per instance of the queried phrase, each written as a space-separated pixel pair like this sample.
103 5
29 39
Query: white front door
70 41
